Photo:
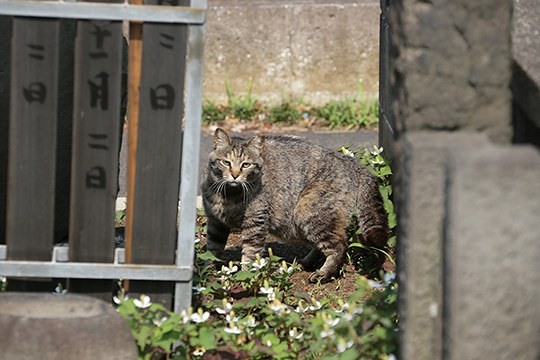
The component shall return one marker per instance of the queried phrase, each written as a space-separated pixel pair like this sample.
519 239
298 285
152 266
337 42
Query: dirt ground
359 263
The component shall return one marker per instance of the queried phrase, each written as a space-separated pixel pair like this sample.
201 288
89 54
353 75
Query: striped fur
292 189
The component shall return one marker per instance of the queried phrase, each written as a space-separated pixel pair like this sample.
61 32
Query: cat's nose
235 173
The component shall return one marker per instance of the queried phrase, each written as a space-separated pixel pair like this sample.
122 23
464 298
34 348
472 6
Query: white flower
331 322
316 305
343 345
120 298
228 270
268 343
300 309
199 351
231 318
227 307
251 322
200 316
389 277
344 307
197 240
391 357
226 284
346 151
293 333
198 289
326 333
284 268
158 322
142 302
266 289
276 305
184 317
357 310
244 262
271 297
376 151
375 284
378 161
59 290
233 329
259 263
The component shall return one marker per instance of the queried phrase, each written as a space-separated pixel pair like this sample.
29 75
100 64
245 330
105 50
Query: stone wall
467 199
452 66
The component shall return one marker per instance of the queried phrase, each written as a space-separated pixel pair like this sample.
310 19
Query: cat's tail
372 216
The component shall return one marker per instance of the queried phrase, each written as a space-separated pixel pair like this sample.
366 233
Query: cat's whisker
245 192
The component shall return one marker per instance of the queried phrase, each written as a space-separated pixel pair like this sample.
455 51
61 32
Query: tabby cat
294 190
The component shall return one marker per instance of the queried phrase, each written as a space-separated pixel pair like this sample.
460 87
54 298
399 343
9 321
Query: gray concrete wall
311 49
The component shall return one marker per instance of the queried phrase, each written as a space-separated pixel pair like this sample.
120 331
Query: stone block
452 66
311 49
48 326
491 282
420 198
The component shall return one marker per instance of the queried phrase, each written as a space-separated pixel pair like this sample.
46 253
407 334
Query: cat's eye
225 163
246 165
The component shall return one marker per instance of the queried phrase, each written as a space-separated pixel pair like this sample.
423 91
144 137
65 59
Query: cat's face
235 163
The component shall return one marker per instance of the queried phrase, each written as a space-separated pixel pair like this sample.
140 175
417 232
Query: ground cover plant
260 310
353 112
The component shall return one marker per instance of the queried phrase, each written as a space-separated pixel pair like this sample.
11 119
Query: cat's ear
255 144
221 138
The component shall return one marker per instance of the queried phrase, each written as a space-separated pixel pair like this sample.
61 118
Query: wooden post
159 144
32 145
96 115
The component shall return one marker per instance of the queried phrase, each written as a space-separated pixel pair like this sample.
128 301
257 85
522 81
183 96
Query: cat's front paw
217 249
319 277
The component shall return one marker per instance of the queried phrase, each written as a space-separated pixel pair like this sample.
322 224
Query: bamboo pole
134 71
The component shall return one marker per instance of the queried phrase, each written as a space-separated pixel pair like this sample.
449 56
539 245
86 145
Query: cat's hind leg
312 259
323 225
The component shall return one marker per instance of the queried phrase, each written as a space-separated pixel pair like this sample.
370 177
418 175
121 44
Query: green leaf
142 336
349 354
207 338
207 255
243 275
385 171
166 340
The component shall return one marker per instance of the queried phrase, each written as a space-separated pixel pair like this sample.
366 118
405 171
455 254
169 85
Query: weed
242 107
358 111
213 112
286 112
